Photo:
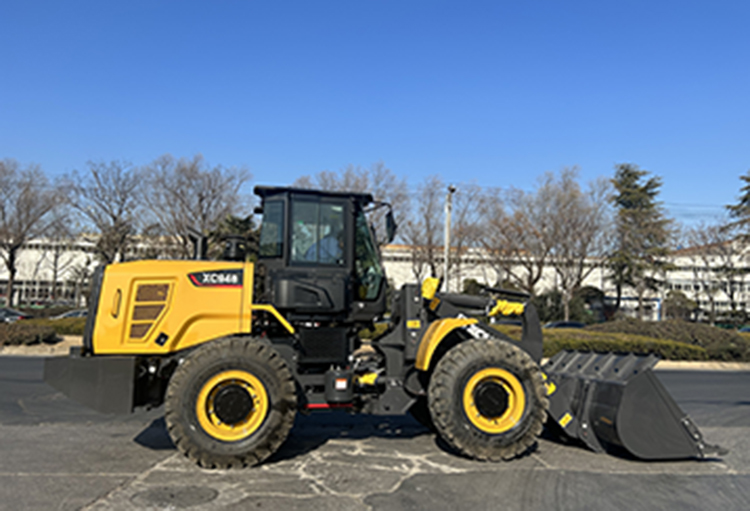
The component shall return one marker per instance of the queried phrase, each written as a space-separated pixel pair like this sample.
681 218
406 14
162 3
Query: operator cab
318 259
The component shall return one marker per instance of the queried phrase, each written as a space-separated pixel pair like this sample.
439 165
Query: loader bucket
613 402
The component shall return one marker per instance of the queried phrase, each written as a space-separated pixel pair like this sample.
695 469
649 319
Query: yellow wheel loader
233 350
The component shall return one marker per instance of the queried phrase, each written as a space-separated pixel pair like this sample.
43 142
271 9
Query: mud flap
105 384
614 402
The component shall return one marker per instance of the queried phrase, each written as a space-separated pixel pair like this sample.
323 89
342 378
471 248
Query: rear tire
230 403
488 400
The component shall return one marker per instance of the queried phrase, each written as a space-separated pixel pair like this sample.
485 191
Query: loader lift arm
448 309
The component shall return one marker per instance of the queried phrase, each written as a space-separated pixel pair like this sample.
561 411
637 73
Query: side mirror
235 248
390 226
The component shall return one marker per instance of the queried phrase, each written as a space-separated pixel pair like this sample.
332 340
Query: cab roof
267 191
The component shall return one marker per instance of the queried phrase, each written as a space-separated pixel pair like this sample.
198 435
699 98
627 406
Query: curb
43 350
709 365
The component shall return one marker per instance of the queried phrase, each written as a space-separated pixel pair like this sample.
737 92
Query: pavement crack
139 478
542 461
66 474
24 408
444 469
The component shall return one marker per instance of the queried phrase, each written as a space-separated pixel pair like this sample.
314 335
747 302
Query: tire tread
282 412
447 413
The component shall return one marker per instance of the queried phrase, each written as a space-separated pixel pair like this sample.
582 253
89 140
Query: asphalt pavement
56 454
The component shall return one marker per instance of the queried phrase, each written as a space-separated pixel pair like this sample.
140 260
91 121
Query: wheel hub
494 400
232 404
491 399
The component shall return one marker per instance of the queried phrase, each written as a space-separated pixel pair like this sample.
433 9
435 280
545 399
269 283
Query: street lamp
447 245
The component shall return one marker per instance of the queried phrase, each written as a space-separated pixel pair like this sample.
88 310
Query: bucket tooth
614 402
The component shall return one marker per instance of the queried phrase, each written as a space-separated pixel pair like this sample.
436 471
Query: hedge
668 350
672 339
26 332
65 326
719 344
44 312
585 340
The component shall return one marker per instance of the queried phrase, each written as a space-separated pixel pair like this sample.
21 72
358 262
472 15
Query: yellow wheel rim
516 401
206 412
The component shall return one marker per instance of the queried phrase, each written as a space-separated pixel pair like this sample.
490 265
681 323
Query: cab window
369 272
272 230
318 233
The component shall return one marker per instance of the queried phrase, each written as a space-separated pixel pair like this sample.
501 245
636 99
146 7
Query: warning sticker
565 420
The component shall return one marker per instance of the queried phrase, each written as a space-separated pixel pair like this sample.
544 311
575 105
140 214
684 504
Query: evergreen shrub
26 333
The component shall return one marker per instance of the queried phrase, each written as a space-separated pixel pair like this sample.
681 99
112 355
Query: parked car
11 316
565 324
78 313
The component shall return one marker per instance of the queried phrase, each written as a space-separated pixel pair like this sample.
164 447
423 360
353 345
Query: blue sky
493 92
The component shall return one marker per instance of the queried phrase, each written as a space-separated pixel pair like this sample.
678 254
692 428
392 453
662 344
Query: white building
715 276
694 272
42 261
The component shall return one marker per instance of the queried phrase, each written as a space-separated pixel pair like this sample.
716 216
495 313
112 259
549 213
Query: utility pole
447 245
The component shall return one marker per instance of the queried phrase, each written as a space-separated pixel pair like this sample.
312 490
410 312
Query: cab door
314 278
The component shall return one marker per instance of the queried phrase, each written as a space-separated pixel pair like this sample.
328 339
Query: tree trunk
11 265
618 293
640 304
56 262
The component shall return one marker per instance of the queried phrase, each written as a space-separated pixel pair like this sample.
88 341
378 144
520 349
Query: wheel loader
234 350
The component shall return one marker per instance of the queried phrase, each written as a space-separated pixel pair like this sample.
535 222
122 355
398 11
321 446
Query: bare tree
378 180
717 257
188 193
731 271
701 240
580 223
61 236
387 187
519 233
26 200
106 197
351 179
423 231
466 229
78 276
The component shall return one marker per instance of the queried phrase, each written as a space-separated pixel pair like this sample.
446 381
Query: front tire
488 400
230 403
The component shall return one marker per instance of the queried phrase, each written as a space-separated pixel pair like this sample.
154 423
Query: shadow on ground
312 431
155 436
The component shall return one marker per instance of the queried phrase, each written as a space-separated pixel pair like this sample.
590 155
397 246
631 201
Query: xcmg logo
218 278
